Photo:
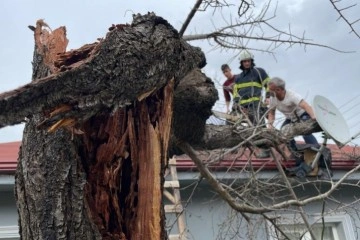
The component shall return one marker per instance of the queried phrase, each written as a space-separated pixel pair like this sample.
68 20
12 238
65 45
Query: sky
308 70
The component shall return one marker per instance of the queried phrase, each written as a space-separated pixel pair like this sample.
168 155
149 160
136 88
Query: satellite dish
331 120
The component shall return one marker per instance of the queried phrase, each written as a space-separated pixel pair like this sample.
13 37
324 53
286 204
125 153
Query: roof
342 159
8 156
345 158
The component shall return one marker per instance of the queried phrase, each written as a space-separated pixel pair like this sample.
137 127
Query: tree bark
228 136
50 176
132 62
117 94
105 183
194 98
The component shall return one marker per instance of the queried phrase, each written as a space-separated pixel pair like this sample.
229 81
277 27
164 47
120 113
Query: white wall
209 217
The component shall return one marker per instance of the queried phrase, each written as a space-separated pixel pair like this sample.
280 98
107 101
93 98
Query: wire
353 116
354 125
351 108
349 101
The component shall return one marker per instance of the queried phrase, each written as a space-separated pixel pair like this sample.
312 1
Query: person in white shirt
292 105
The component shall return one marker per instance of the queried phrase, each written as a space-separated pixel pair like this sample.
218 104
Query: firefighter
248 92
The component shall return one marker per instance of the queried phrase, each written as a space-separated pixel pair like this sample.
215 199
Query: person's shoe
264 153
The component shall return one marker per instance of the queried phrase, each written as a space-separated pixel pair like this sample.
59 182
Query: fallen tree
98 124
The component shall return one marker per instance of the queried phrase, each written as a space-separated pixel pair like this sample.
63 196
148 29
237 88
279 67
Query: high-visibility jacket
249 84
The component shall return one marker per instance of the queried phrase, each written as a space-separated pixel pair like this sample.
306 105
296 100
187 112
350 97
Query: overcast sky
311 71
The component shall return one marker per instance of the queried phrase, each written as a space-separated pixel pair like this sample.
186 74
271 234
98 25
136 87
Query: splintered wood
50 43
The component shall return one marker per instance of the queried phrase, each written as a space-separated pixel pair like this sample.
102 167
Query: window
9 233
329 232
334 228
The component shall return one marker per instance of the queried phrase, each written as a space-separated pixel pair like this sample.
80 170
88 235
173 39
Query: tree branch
242 205
256 26
220 38
108 77
227 136
351 25
189 17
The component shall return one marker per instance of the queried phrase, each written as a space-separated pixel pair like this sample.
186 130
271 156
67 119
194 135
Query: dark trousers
255 112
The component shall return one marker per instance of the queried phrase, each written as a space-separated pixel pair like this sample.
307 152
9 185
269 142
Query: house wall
8 212
209 217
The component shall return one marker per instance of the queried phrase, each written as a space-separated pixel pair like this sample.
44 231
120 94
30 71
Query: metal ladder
172 193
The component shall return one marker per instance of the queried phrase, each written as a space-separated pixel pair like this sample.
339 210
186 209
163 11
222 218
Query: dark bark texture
49 178
99 118
194 98
228 136
132 62
98 126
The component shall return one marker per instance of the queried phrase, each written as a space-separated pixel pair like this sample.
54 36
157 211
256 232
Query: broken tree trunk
194 98
131 63
228 136
107 182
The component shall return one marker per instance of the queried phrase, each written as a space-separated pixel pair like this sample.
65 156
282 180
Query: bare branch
243 8
243 205
232 40
250 27
189 17
340 11
292 193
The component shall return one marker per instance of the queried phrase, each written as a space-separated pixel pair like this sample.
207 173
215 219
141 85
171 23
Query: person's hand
234 107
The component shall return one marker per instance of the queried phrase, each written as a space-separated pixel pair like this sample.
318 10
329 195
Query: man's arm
304 105
227 106
227 98
271 118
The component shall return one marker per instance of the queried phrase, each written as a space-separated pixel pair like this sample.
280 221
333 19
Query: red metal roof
8 156
342 159
345 158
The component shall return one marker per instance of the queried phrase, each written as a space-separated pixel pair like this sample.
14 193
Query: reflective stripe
253 99
266 84
248 84
266 81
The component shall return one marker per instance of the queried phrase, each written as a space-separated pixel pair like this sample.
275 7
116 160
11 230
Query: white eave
7 182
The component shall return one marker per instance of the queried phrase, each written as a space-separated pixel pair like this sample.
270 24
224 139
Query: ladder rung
172 161
176 237
171 184
176 207
173 208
